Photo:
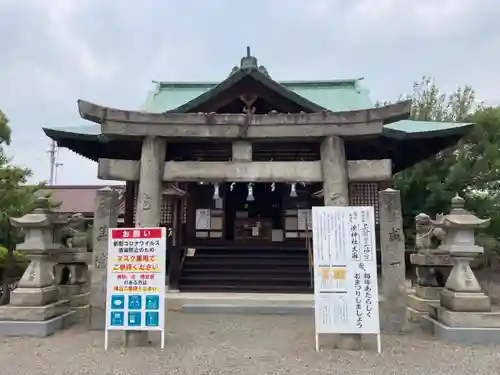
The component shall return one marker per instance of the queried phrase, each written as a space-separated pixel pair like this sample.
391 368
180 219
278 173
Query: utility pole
54 162
52 155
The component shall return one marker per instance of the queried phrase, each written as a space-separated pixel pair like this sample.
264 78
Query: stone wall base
460 334
37 329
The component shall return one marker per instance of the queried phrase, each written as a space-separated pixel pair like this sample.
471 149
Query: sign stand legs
379 344
316 336
105 340
162 339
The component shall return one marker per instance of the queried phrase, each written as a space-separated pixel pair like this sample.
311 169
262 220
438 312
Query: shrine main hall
232 168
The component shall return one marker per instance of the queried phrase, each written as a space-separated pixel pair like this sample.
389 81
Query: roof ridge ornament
249 62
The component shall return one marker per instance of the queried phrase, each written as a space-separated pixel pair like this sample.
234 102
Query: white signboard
304 219
203 219
345 270
136 280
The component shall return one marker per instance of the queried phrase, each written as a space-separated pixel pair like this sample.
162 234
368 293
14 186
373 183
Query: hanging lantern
273 186
293 190
250 197
216 196
231 187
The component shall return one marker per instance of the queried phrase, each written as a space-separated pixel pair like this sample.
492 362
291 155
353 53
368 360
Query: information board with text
136 279
345 270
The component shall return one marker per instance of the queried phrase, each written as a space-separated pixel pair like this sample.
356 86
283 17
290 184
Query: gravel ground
240 344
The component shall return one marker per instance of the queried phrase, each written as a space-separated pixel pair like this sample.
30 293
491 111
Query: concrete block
34 296
462 335
82 314
468 319
428 292
414 316
33 313
419 303
79 299
430 259
36 329
465 302
66 291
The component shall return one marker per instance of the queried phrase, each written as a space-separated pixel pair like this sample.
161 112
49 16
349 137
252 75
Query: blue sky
57 51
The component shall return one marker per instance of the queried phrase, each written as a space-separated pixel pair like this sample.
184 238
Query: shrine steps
247 269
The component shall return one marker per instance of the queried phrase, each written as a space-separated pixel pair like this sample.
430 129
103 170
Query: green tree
470 168
16 199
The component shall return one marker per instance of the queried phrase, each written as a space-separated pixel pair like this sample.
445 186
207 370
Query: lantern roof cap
459 217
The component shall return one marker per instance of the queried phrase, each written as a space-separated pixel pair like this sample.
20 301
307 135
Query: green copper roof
339 95
313 96
424 129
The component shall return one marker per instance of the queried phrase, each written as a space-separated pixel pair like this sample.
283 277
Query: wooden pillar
149 198
336 193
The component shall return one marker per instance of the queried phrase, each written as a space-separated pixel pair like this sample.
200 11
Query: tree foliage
470 168
16 198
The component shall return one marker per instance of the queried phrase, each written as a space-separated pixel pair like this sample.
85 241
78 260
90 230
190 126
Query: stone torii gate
156 130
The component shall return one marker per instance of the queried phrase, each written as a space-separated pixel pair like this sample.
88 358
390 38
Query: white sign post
345 271
136 281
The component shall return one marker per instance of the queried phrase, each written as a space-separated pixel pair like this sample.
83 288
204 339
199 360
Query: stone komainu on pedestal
433 266
71 273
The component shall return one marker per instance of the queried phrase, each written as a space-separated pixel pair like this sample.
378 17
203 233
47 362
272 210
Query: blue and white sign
136 280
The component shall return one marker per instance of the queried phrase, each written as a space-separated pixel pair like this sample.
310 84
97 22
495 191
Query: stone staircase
272 269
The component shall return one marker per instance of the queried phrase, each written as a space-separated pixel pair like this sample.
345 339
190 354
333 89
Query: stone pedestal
392 243
431 268
105 217
79 300
462 291
72 278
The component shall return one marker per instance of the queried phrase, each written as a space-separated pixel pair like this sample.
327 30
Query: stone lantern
35 308
462 291
40 248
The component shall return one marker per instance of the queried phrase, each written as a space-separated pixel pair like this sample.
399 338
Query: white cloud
61 15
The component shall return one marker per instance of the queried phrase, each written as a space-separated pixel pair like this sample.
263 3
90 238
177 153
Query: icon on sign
152 302
338 273
117 318
152 319
117 302
134 318
135 302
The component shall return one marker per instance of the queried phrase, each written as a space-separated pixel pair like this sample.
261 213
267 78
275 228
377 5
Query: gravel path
239 344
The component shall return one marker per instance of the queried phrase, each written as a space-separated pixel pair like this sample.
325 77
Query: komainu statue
72 233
